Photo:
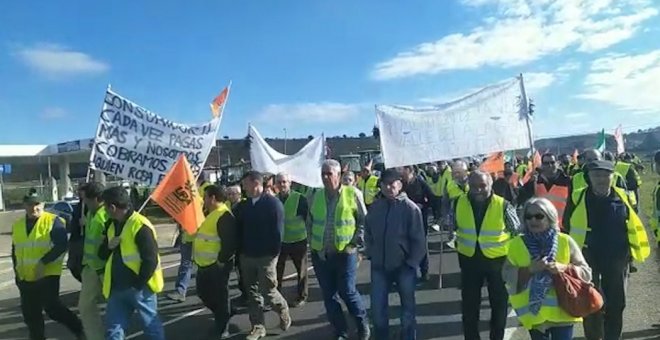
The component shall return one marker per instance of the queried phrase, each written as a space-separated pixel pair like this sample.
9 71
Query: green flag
600 146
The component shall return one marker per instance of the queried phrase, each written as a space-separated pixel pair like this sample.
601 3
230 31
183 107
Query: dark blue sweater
261 226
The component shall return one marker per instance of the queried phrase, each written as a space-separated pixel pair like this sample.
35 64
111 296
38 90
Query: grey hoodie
394 233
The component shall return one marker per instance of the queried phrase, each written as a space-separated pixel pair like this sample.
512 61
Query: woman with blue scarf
533 257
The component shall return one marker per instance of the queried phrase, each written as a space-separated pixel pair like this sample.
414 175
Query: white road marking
199 310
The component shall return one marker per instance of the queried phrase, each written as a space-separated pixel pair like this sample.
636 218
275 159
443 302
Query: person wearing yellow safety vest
294 238
655 216
522 167
457 186
533 257
368 184
184 272
625 169
38 243
92 271
604 224
484 224
436 183
579 180
214 247
133 275
336 225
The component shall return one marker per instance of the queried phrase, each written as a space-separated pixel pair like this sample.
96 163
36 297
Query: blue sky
320 66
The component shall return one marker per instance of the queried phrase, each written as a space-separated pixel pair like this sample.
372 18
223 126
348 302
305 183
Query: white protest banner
487 121
304 167
140 146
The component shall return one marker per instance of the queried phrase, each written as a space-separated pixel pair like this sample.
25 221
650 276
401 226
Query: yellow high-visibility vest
492 238
637 238
550 311
94 228
454 191
436 187
344 223
130 255
294 225
369 188
29 249
208 244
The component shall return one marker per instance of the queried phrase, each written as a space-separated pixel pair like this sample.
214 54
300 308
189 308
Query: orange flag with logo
177 195
535 163
493 164
218 103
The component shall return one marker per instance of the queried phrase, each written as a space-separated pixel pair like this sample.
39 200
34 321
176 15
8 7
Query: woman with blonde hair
533 257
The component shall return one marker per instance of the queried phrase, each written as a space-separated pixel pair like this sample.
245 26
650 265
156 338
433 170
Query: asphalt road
438 310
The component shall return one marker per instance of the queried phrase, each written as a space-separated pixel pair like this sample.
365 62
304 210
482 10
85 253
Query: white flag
304 167
618 136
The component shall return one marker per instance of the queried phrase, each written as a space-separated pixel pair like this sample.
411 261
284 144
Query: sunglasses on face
537 217
548 163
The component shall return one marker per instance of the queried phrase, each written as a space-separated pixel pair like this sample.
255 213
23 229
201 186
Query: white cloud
56 61
629 82
575 115
569 66
323 112
53 113
526 30
538 80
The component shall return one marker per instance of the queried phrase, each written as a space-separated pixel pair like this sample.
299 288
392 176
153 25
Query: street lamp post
285 140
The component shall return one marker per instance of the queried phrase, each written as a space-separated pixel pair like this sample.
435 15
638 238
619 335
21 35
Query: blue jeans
120 308
381 281
185 269
337 275
553 333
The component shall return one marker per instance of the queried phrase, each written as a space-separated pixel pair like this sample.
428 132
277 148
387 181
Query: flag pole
217 129
525 105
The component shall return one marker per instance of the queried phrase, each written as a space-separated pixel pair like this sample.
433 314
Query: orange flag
177 195
218 103
535 163
493 164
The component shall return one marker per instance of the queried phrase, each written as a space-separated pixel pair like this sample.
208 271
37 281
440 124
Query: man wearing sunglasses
604 224
484 224
552 183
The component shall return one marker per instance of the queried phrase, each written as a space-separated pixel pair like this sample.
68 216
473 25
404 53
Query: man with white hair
455 187
336 222
294 239
484 224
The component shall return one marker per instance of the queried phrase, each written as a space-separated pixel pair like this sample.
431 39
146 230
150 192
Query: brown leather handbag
576 296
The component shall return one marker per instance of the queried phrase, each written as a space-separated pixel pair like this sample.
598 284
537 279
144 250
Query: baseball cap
390 175
601 165
32 198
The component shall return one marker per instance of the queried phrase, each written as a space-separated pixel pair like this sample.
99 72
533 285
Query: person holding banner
213 249
133 275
